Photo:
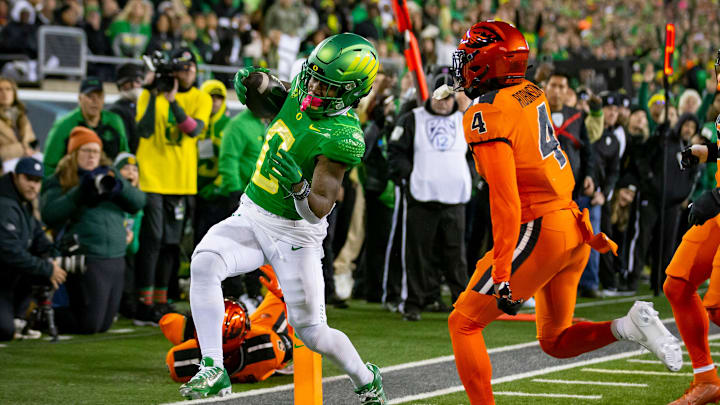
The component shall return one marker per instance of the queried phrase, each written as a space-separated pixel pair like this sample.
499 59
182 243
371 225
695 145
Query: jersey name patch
527 95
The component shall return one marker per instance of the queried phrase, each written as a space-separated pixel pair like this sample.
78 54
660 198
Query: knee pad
549 347
459 323
206 265
312 335
676 288
714 315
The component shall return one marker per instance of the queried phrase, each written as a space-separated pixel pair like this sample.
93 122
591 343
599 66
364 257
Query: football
265 94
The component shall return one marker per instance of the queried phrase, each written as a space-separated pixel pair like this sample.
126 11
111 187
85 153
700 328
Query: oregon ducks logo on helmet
344 67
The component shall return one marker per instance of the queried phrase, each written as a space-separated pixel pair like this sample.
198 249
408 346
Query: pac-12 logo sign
441 133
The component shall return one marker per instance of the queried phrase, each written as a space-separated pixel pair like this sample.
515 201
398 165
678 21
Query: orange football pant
695 260
548 261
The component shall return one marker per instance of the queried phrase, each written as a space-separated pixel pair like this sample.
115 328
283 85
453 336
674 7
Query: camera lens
104 183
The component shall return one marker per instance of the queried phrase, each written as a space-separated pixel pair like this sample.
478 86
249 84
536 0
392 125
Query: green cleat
373 392
207 382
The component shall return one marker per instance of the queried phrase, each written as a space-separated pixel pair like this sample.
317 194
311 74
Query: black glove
688 159
505 303
704 208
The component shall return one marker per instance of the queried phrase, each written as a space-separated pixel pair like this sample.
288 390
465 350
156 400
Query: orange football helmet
236 324
491 54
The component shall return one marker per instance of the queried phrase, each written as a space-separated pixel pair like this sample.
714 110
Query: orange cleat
699 394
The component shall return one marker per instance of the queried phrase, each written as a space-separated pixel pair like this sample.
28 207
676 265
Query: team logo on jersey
441 133
717 123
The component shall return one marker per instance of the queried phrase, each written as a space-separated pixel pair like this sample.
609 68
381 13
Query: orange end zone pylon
308 374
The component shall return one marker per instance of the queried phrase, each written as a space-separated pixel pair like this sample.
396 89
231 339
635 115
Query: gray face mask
132 94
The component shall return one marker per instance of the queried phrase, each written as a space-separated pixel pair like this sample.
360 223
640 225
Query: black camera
66 250
105 183
164 67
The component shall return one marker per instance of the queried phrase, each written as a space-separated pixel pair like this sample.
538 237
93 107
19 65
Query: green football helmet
347 64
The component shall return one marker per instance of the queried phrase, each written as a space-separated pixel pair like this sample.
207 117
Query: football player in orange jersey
695 260
541 239
254 348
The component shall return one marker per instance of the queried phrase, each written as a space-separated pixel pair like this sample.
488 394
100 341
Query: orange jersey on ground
266 348
516 151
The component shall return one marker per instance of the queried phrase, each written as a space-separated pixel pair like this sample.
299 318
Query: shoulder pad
346 145
487 98
482 123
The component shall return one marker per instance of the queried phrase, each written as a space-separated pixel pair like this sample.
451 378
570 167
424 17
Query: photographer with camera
86 200
24 248
171 114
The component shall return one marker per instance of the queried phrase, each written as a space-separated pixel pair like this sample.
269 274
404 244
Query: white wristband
303 208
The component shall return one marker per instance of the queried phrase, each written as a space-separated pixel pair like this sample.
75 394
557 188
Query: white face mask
132 94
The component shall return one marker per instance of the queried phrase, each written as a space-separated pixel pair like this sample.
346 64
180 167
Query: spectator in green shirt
107 125
239 150
130 31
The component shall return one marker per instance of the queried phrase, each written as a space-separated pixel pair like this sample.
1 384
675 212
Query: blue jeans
590 279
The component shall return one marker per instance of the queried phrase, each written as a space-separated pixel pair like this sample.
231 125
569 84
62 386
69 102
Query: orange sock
577 339
691 319
708 377
471 358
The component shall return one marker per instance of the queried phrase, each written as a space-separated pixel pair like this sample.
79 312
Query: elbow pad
303 208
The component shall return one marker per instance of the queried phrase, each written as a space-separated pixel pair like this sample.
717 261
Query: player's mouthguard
310 101
443 92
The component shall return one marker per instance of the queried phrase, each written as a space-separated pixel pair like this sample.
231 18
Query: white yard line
441 359
641 372
520 376
578 382
122 330
403 366
426 395
543 395
711 353
685 363
598 303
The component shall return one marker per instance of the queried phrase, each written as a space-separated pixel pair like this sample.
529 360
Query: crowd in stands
129 182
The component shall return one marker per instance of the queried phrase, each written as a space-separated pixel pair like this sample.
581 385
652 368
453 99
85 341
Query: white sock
703 369
617 327
336 346
207 271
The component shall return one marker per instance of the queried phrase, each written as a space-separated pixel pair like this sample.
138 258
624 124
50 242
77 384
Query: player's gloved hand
705 207
284 167
688 159
270 281
505 303
241 74
210 192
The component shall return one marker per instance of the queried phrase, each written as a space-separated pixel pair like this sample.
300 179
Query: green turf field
127 366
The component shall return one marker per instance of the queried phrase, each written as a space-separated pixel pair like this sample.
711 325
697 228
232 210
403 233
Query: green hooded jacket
100 228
